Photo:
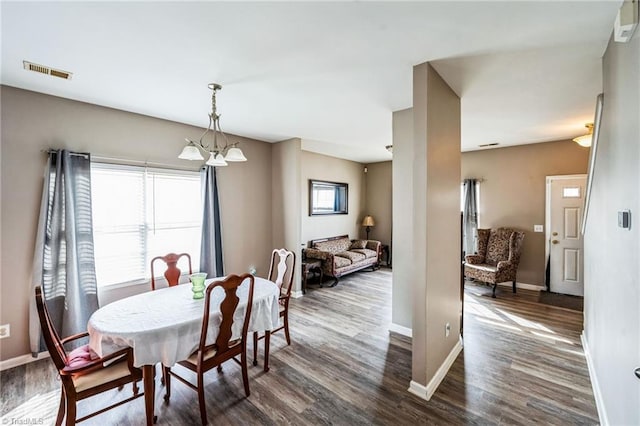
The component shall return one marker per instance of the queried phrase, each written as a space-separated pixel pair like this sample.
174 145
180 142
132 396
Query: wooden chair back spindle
227 309
282 270
172 273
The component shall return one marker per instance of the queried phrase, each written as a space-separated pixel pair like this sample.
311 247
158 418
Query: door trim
547 210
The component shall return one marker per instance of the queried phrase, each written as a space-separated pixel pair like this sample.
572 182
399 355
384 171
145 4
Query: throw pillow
358 244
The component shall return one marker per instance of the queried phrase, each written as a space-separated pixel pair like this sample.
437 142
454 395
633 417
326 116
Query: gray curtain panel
64 262
211 260
470 217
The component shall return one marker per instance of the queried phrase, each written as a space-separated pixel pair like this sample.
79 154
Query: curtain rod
125 161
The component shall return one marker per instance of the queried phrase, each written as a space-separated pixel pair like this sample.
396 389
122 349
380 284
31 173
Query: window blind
140 213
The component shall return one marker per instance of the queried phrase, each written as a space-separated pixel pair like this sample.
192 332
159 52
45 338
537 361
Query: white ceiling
329 73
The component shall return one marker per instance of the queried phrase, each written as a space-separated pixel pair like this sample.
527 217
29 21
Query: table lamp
369 223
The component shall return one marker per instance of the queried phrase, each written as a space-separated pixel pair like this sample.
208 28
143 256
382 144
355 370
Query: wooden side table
310 266
385 251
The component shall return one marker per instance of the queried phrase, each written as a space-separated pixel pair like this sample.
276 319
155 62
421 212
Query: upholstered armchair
498 257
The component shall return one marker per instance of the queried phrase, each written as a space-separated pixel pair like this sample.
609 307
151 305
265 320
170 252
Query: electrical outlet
538 228
5 331
447 330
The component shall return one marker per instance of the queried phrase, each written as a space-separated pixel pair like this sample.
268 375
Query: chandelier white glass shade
585 140
218 154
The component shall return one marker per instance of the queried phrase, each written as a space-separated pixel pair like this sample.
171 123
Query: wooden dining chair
172 273
281 272
81 374
211 355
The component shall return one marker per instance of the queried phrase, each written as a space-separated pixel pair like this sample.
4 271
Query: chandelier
218 154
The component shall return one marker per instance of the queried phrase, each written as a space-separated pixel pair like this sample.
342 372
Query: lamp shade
235 154
190 152
368 221
216 160
584 140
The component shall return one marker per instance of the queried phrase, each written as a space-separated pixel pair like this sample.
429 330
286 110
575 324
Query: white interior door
565 195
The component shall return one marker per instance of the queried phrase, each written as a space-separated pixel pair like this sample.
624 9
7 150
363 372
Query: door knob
554 234
555 242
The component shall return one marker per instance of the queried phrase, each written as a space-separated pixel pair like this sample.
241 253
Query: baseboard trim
297 294
602 412
426 392
21 360
405 331
523 286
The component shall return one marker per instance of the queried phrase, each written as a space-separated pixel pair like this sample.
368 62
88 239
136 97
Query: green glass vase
197 284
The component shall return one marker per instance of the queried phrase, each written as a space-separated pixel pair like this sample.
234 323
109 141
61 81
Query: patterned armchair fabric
498 257
341 256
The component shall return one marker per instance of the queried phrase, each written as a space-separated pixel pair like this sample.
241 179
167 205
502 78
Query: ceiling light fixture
585 140
218 155
389 148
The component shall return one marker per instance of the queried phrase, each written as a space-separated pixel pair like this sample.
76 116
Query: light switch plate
538 228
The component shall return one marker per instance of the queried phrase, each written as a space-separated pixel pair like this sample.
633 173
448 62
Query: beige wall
322 167
287 199
402 169
32 122
512 193
436 222
378 201
612 286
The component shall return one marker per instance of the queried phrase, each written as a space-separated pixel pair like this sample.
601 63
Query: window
571 192
140 213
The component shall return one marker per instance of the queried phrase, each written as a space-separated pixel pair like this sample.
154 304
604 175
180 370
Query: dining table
164 325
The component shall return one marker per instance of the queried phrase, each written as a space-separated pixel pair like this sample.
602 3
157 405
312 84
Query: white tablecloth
164 325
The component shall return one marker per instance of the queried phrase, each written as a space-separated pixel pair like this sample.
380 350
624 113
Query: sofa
341 256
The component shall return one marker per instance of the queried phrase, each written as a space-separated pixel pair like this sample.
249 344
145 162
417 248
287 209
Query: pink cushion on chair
80 356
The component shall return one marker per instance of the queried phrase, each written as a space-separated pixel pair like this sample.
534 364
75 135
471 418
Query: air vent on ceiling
30 66
488 144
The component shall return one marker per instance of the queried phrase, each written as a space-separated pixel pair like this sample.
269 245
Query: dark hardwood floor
522 363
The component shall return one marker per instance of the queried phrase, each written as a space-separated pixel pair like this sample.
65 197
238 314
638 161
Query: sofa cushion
341 262
333 246
358 244
351 255
368 254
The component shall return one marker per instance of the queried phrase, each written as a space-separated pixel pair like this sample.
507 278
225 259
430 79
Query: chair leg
71 411
61 409
255 348
286 327
245 374
494 290
166 372
267 340
201 402
514 286
135 388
